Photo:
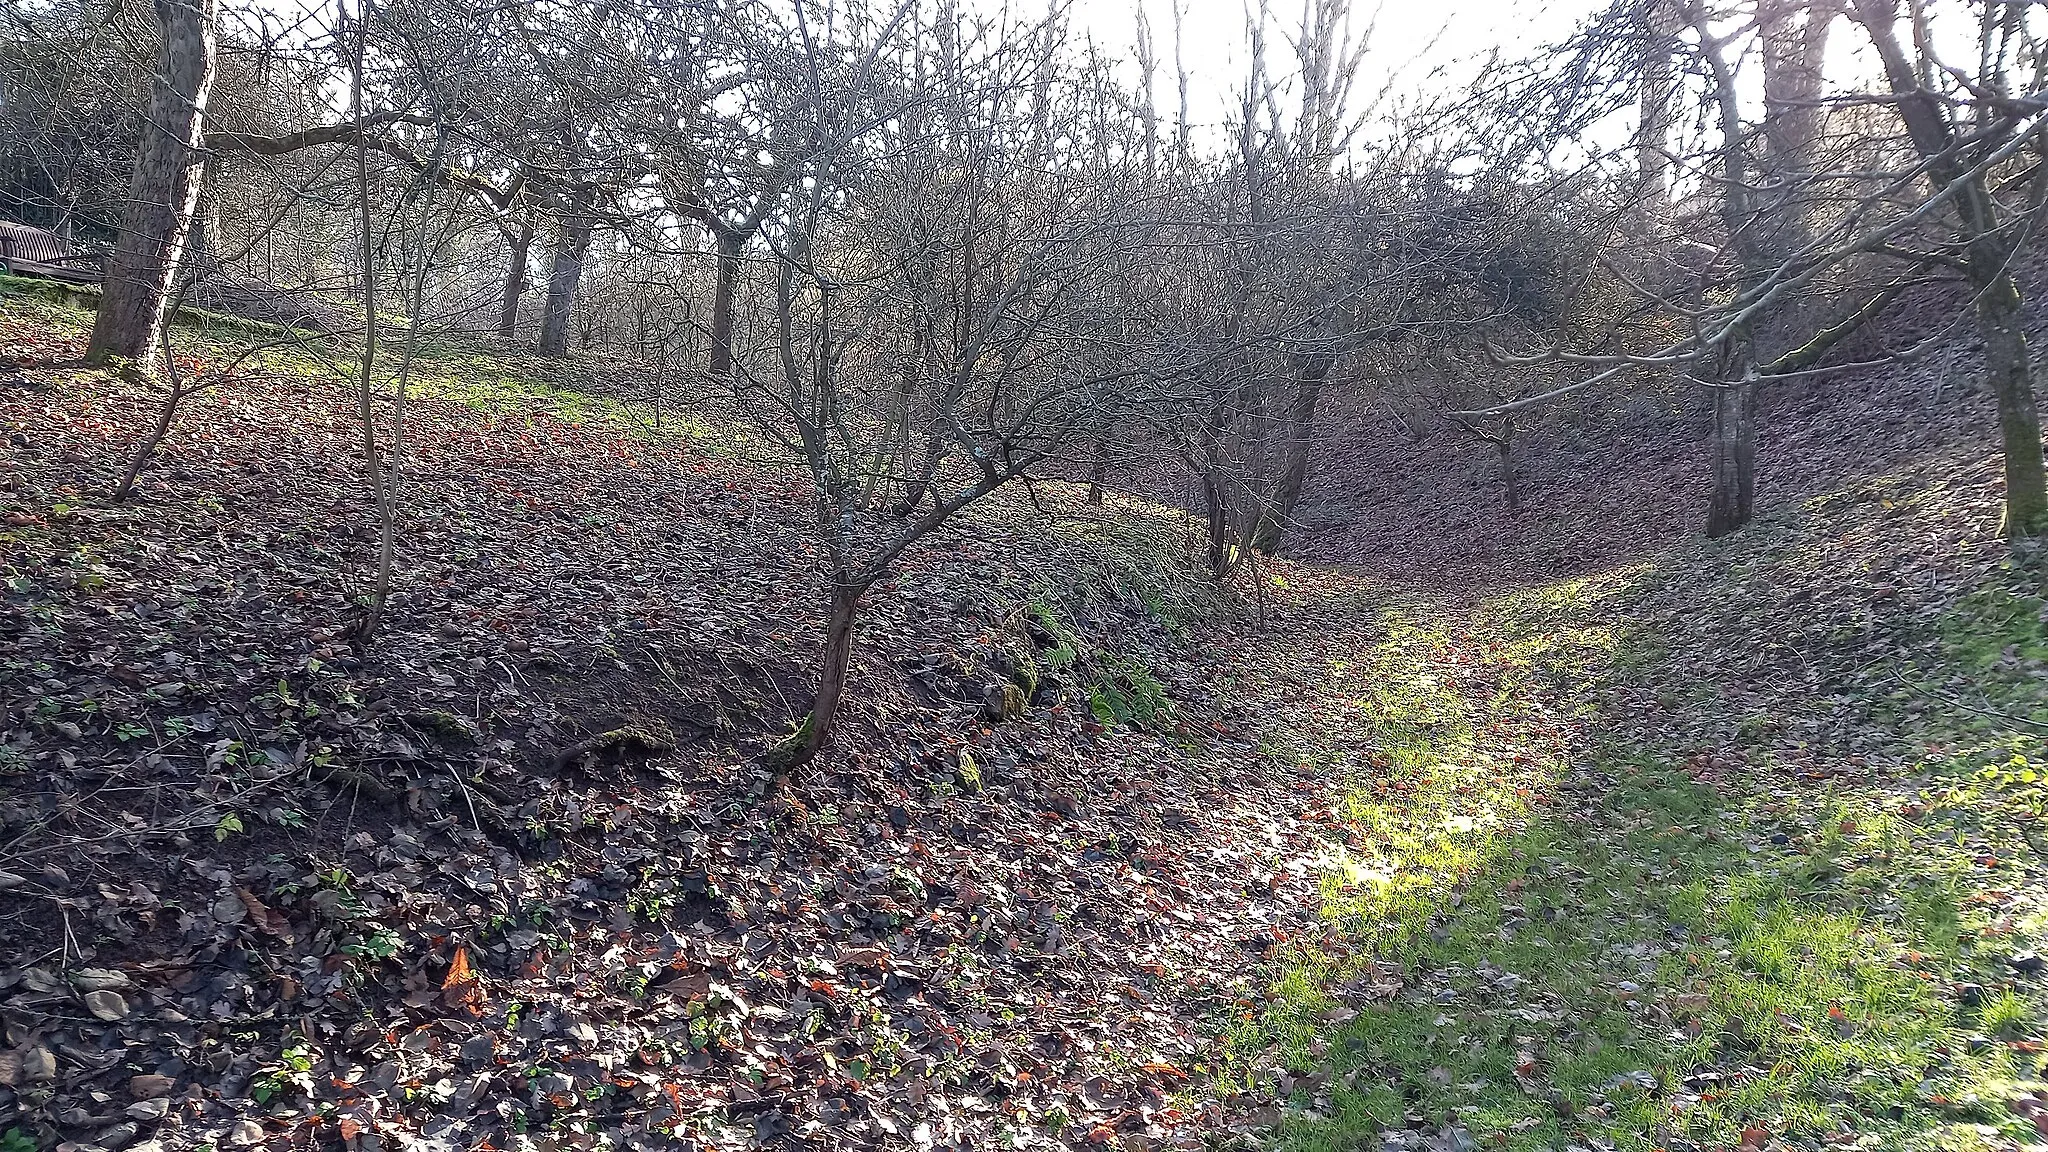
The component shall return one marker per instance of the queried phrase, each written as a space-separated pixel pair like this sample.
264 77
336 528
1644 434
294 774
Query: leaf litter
506 885
507 882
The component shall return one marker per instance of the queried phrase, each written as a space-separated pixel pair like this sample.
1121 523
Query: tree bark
1986 229
920 482
1733 499
515 279
2008 364
1510 489
1659 26
1794 51
1793 37
815 733
202 248
1278 513
729 246
158 433
565 272
164 191
366 399
909 382
1222 550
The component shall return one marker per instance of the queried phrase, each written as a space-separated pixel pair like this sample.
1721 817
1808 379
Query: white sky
1416 44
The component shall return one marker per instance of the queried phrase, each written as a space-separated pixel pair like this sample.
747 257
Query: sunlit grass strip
1462 748
1642 964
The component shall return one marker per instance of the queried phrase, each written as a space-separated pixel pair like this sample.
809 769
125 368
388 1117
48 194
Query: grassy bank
1571 917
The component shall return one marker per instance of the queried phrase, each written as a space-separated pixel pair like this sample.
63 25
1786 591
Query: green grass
512 387
72 305
1995 640
1553 936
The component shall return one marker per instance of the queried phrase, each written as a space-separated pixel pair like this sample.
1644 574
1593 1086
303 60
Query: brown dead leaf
265 918
462 990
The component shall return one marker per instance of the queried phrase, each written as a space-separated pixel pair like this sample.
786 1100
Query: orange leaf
463 989
459 972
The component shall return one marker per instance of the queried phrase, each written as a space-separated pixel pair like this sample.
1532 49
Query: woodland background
740 574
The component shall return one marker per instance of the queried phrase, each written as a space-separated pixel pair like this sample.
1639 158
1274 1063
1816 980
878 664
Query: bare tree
1005 316
1763 209
1963 121
520 237
1762 290
573 228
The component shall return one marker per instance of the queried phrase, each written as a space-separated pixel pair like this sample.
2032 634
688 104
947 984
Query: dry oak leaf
463 989
265 918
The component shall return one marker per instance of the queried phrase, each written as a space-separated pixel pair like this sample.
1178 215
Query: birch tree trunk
163 194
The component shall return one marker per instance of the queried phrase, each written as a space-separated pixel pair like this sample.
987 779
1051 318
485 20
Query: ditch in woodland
1594 897
1733 846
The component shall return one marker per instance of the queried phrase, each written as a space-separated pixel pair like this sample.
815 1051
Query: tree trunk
365 629
1222 550
1659 26
515 280
815 733
164 192
1278 514
1733 499
1794 40
729 247
1933 130
920 482
1098 468
2008 365
909 382
1506 447
202 247
158 433
565 272
1734 446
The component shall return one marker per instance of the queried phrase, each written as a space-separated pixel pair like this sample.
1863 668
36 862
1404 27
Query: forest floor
1699 846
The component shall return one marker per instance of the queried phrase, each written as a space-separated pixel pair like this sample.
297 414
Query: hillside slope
273 859
1778 879
1622 474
